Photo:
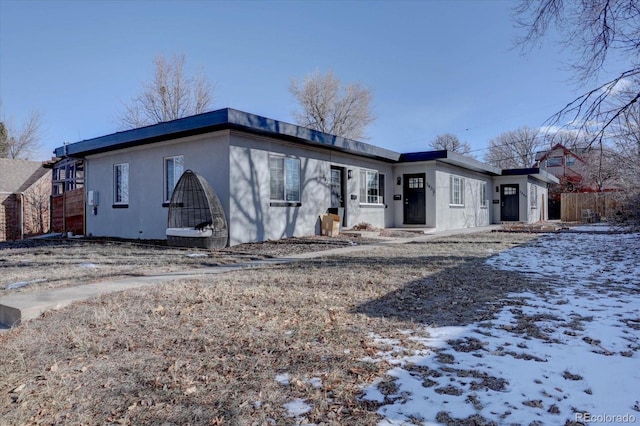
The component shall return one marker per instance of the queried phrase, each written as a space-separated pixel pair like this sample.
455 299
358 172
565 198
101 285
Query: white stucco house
275 179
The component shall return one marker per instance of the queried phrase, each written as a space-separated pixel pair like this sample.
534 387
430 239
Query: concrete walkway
18 307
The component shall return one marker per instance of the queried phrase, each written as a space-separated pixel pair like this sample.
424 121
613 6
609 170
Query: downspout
21 215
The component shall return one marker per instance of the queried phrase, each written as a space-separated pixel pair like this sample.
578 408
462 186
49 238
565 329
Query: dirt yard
288 344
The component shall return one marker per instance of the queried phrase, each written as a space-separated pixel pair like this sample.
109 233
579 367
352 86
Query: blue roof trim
412 157
518 172
143 135
226 118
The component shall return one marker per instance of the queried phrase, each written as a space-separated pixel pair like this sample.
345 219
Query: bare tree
450 143
4 141
169 95
21 141
625 140
37 201
625 133
327 107
514 149
595 30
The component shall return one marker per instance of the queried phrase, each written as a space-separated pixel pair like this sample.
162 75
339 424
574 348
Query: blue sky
433 66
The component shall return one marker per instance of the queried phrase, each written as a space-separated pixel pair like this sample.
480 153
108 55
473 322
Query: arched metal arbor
196 217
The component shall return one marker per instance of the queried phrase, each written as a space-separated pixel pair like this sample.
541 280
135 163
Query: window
533 196
570 160
509 190
484 202
173 168
121 184
416 182
68 174
284 179
554 162
371 187
456 191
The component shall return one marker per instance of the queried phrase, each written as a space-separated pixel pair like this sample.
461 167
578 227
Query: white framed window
284 179
371 187
484 201
121 184
554 162
456 191
533 196
173 168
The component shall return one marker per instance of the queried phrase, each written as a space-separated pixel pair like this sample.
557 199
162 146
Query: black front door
510 205
415 209
338 192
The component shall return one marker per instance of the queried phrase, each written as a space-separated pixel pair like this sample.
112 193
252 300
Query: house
25 188
574 169
275 179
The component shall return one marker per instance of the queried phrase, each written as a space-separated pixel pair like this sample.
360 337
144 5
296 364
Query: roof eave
220 120
535 172
452 158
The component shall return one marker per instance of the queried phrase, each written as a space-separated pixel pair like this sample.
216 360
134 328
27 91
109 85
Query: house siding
145 217
232 150
471 214
400 170
34 212
253 217
526 212
237 167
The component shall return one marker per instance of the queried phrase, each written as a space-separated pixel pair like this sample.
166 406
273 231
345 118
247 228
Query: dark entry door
338 191
510 205
415 209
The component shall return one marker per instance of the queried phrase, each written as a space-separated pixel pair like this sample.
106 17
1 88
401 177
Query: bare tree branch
327 108
22 142
593 30
514 149
450 143
169 95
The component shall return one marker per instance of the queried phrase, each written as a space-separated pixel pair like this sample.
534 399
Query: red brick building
25 194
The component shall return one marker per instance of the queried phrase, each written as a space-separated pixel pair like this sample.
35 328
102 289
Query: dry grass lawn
209 350
59 263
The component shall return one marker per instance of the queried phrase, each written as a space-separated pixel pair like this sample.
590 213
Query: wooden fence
67 212
602 204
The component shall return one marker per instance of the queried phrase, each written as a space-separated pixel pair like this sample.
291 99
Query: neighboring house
25 188
565 164
574 169
67 195
275 179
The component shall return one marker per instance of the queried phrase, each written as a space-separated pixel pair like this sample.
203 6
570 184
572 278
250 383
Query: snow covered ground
566 352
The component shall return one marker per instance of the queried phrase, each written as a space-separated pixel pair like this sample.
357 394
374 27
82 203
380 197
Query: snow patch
21 284
547 357
297 407
283 379
197 255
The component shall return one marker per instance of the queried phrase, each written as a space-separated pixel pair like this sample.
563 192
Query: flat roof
452 158
222 119
232 119
532 171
